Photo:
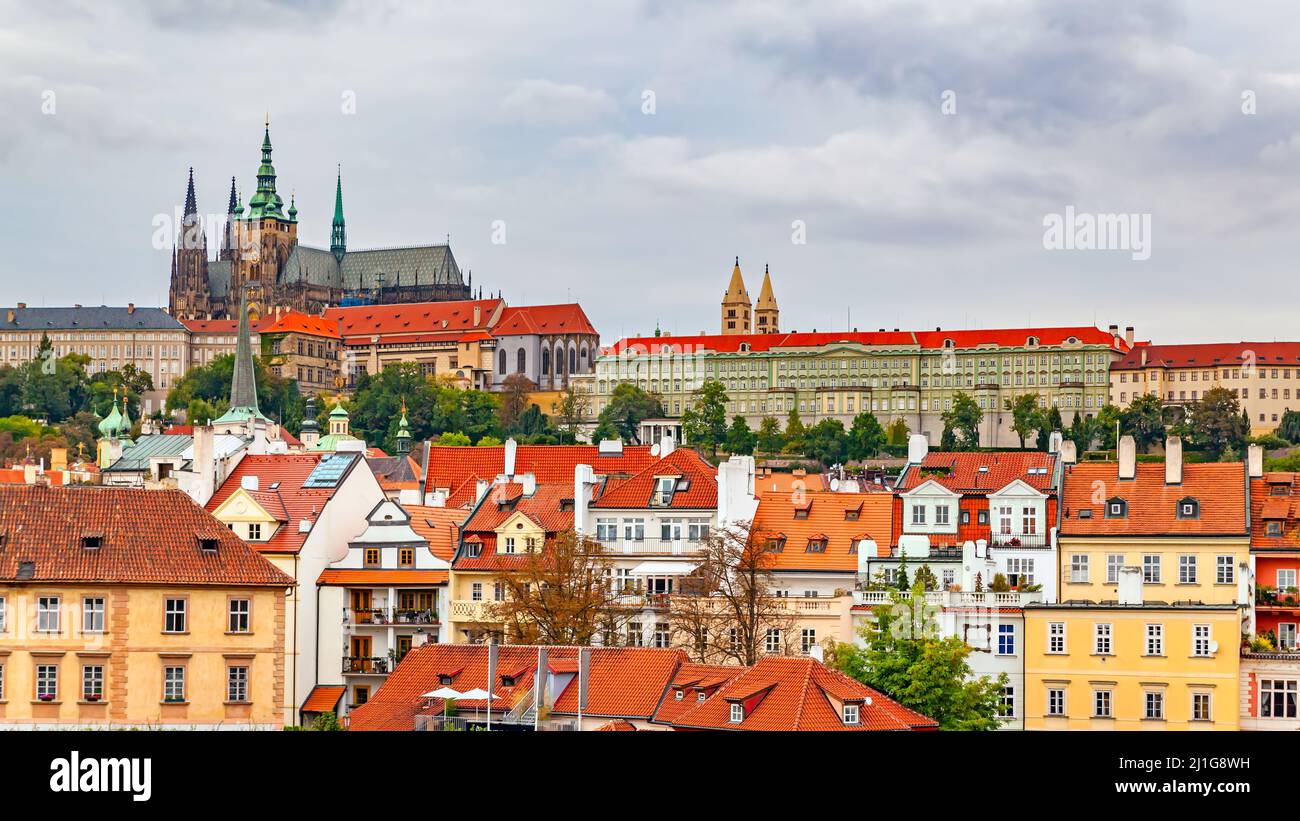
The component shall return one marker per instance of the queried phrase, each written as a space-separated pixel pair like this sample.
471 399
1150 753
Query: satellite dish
835 484
654 450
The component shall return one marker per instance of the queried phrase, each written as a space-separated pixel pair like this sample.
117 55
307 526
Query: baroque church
260 254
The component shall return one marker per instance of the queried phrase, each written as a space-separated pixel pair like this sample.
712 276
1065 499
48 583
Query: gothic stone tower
736 305
264 236
189 294
766 313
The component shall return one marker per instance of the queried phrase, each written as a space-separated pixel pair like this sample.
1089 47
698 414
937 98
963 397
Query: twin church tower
260 254
740 316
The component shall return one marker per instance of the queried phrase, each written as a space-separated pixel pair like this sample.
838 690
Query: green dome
112 423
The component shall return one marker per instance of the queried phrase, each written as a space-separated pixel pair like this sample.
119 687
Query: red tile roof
433 320
451 466
789 693
1219 487
692 680
148 537
618 725
299 503
503 501
1210 355
1009 337
1267 505
363 577
296 322
568 318
982 473
826 519
683 463
439 526
225 326
323 699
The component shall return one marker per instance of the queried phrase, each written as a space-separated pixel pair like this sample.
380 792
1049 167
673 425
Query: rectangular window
173 684
509 546
47 614
737 713
240 614
1007 703
47 682
1056 637
254 531
918 514
772 642
851 714
372 557
3 615
1155 645
406 557
1079 568
1187 570
237 684
174 616
92 682
1201 640
1101 635
1114 562
807 640
1006 639
476 591
941 515
92 614
1277 698
1055 701
1200 706
1151 568
1101 704
1223 570
1155 705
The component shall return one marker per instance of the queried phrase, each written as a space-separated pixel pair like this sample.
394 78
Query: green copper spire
243 386
265 202
338 234
403 433
111 424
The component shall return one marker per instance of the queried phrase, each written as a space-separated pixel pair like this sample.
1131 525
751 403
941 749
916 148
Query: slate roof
360 270
148 537
88 318
136 459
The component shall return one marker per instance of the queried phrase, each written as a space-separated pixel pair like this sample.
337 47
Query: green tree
628 406
1109 419
926 578
704 423
740 439
827 442
905 660
574 408
963 421
1052 422
515 389
866 436
453 439
770 439
1216 423
1025 416
1081 432
1144 420
277 397
794 430
1288 428
898 432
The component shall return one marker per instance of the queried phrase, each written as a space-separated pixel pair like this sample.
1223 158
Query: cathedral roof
360 270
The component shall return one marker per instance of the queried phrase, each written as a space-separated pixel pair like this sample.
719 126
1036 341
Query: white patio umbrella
446 694
479 694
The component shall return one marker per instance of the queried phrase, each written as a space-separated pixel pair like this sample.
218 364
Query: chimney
249 483
666 445
22 306
205 466
1255 461
1130 585
917 447
1114 330
1069 452
529 483
478 315
583 477
130 307
1128 335
815 652
1144 356
509 459
1174 460
1127 458
1054 442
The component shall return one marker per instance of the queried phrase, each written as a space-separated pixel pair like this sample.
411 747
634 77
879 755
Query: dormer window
1116 508
1274 528
507 681
852 514
1189 508
801 513
700 697
473 550
446 679
664 487
776 544
92 541
816 545
207 545
678 694
852 714
737 713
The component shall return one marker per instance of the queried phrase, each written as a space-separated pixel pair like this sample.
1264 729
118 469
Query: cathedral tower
338 232
264 234
736 306
189 294
766 314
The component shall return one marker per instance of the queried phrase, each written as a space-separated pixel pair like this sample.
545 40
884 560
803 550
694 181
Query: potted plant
93 697
46 697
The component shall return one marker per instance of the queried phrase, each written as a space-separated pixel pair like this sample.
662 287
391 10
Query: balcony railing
649 601
659 547
953 598
386 616
366 665
809 605
1019 540
471 610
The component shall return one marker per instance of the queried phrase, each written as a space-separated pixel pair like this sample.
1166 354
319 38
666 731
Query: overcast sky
833 114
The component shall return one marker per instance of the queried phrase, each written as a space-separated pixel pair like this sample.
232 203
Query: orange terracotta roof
982 473
701 492
427 318
618 726
692 680
439 526
543 508
296 322
1275 499
363 577
798 694
789 482
290 471
1211 355
148 537
1219 487
450 466
324 698
225 326
568 318
826 517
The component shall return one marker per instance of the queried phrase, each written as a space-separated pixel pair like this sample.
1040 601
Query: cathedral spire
266 202
191 202
230 209
338 233
243 385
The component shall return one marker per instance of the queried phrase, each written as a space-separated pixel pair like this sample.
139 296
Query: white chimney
1255 461
1128 335
204 464
1127 458
610 447
1054 440
481 487
528 481
1069 452
511 449
583 478
408 496
1130 585
866 552
917 447
1174 460
248 483
815 652
666 446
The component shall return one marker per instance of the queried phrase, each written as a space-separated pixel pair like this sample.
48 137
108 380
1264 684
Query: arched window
573 359
546 361
501 363
523 361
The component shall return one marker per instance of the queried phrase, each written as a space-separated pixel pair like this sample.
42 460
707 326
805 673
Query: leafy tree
54 393
560 596
898 432
794 430
574 408
1109 419
1081 432
866 436
740 439
1052 422
1144 420
277 397
963 421
926 578
628 406
1025 416
704 423
827 442
770 439
453 439
514 399
904 659
1288 428
1216 423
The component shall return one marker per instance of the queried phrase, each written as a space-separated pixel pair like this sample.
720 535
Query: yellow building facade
1199 568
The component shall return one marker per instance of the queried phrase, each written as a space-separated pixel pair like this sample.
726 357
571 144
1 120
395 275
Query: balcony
1019 540
809 606
643 601
953 598
389 616
1271 598
471 610
366 665
656 547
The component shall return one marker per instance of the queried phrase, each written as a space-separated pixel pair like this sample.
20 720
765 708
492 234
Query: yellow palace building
1153 561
